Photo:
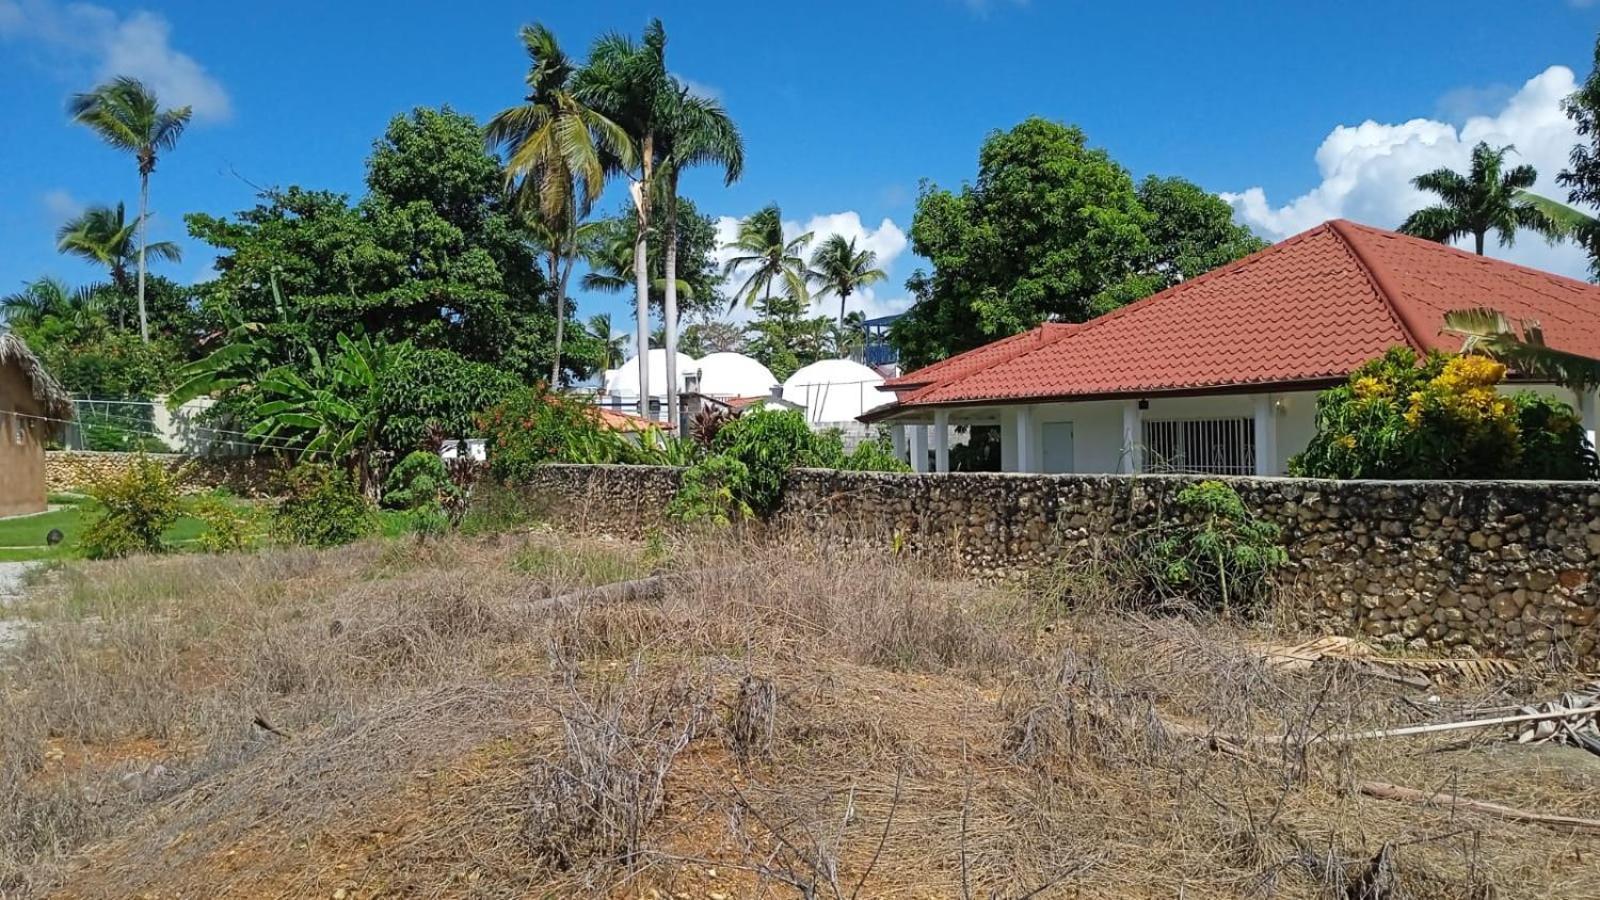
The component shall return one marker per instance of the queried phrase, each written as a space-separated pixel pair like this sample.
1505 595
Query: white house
1220 374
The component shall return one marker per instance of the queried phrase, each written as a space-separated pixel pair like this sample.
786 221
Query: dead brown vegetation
785 721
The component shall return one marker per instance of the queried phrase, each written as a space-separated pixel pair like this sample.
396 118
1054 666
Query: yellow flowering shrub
1441 416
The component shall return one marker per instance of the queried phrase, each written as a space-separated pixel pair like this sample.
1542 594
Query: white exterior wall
1097 426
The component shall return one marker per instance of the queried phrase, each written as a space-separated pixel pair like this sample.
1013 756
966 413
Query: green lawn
23 537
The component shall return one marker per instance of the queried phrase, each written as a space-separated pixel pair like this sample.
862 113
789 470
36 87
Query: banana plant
333 411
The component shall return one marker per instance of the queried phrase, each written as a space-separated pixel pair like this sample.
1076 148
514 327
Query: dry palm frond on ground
769 720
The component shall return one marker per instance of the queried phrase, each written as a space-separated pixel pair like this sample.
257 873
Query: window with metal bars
1200 446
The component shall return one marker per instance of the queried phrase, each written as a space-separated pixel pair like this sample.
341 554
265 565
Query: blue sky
1295 112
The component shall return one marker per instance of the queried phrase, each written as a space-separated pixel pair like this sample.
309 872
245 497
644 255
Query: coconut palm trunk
669 316
144 225
641 274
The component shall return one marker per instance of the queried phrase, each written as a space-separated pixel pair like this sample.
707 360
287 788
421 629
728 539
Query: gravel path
10 588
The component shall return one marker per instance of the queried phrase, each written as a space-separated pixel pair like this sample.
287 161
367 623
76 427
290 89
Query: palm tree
609 251
127 116
768 257
614 346
628 83
839 269
50 297
696 131
1491 333
102 235
557 149
1483 200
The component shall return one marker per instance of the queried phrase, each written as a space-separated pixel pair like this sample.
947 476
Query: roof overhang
898 410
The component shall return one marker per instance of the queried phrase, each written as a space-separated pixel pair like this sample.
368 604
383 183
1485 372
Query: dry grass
786 721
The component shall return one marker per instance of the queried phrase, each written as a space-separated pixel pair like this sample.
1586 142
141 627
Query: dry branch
1385 791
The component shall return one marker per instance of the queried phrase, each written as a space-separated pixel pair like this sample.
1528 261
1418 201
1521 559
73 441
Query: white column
1008 440
1026 440
1266 435
1589 411
1132 437
897 437
919 448
941 440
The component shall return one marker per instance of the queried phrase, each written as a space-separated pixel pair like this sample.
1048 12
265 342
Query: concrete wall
21 446
1501 567
247 476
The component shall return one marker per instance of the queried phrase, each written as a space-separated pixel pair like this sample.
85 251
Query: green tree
102 235
435 253
765 256
50 297
1051 229
695 131
783 338
556 149
1581 178
627 82
841 270
613 346
1191 231
1483 200
710 335
609 252
126 114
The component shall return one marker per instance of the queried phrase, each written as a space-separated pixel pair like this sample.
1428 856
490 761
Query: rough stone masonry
1501 567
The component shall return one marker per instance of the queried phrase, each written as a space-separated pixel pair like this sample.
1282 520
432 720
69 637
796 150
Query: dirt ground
484 717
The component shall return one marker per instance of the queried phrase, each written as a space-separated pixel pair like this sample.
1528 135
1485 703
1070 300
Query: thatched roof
51 395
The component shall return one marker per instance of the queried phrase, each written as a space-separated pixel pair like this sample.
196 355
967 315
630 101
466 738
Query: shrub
1554 444
1440 416
536 425
419 480
874 456
1214 551
137 505
322 507
229 527
768 443
713 492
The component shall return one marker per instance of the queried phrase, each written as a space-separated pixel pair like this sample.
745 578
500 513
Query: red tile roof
1304 311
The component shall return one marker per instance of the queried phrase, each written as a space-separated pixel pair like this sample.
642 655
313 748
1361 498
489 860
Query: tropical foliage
102 235
1442 416
136 505
126 114
1485 199
838 269
321 507
765 257
1213 551
1052 229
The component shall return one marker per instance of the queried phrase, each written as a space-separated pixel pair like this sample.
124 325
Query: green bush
1441 416
229 527
321 507
136 506
1213 550
874 456
419 480
712 493
536 425
768 443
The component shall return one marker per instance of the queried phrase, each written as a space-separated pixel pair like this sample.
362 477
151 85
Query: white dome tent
623 381
726 374
835 391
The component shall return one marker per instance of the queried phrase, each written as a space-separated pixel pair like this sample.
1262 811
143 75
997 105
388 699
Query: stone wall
1502 567
247 476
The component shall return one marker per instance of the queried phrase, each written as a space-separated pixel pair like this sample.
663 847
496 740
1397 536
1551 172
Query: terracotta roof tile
1308 309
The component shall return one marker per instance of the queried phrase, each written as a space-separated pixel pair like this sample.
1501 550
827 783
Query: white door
1057 440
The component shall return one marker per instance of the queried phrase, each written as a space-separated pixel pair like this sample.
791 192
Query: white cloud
92 43
700 88
888 241
1366 170
60 205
